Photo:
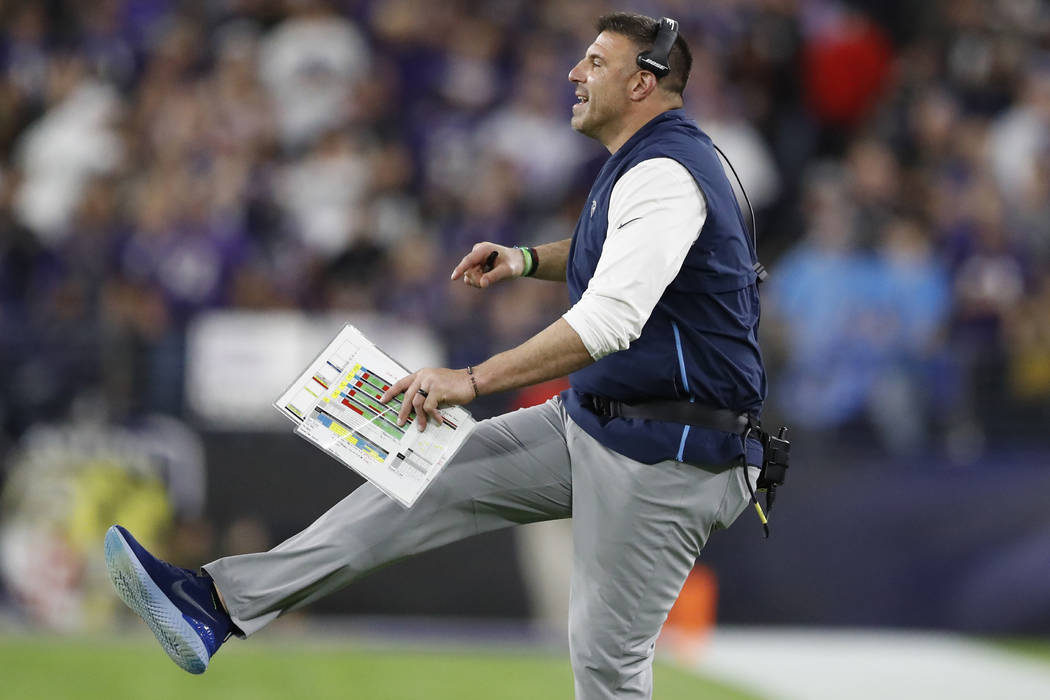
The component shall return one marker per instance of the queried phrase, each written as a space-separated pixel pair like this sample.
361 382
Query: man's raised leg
513 469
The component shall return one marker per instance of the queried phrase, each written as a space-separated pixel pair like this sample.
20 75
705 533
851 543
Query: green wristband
530 265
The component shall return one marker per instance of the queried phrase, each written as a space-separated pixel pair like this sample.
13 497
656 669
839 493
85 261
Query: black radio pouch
776 453
776 457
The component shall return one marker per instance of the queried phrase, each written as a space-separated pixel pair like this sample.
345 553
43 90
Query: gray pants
637 530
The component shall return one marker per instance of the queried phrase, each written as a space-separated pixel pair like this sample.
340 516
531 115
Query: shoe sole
144 597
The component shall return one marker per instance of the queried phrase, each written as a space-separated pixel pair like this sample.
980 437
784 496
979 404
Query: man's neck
634 122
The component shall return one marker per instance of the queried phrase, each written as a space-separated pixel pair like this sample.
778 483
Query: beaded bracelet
473 382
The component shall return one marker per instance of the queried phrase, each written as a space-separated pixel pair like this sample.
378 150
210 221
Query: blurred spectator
915 385
310 64
26 51
323 192
1029 350
469 77
103 42
815 302
874 179
176 246
238 118
73 141
1020 136
847 65
989 282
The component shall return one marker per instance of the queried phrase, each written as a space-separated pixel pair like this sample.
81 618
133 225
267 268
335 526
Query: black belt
682 412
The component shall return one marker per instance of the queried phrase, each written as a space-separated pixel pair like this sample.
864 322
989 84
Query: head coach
646 450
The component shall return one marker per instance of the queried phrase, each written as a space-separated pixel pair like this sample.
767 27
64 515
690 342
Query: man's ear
642 84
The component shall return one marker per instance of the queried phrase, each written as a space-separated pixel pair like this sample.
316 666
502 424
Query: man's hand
428 390
473 268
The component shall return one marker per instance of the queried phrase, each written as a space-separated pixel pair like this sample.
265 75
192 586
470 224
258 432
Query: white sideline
793 664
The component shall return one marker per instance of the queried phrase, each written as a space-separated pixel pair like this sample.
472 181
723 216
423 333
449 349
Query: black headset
656 59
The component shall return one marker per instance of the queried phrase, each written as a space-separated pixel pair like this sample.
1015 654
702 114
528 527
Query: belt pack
776 449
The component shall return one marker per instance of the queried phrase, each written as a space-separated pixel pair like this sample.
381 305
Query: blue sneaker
177 604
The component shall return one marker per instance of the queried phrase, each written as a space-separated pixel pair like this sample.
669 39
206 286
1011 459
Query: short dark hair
642 30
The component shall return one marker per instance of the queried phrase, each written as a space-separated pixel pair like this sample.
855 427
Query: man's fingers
472 259
396 388
474 278
430 407
424 403
408 403
462 267
421 415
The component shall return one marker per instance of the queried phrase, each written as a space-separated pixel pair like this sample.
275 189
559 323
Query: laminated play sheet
335 405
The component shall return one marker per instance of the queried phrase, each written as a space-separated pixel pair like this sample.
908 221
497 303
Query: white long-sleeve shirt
656 211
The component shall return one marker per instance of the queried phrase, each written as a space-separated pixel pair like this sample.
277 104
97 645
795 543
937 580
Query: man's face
601 80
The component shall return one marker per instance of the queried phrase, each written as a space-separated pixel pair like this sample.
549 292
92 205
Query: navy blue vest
701 341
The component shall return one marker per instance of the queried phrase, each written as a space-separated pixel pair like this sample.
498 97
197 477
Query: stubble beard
584 122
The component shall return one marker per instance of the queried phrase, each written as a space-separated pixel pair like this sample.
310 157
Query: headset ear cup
656 59
647 62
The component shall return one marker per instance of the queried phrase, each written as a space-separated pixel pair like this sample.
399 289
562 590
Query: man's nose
574 74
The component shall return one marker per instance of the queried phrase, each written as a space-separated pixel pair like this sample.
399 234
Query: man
665 310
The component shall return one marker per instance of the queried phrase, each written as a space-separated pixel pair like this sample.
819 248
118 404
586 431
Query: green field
1038 649
109 669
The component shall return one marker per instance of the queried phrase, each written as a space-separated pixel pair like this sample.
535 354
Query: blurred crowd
163 158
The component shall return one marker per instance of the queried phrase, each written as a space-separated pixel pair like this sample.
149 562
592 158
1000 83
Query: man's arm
553 259
553 352
510 263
